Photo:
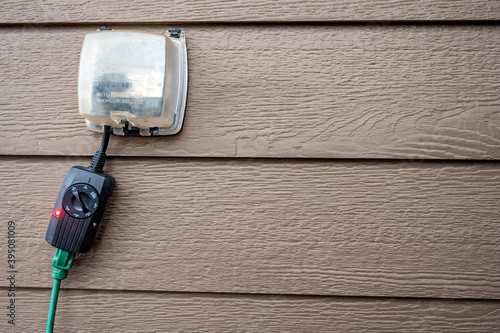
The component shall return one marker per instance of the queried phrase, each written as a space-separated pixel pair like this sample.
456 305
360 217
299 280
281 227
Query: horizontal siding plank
65 11
403 229
278 91
104 311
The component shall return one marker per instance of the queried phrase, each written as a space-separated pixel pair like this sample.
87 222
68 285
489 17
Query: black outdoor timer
79 209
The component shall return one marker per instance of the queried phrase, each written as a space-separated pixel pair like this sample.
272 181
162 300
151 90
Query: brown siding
136 311
333 226
113 11
294 227
348 92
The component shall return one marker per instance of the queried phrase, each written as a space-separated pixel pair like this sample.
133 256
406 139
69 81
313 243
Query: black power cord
99 159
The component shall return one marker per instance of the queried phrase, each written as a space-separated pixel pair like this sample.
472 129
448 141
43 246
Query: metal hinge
174 33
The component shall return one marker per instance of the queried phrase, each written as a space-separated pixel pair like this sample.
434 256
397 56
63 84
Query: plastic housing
133 81
78 234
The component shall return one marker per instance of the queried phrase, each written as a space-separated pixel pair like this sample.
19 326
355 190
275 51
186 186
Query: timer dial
80 201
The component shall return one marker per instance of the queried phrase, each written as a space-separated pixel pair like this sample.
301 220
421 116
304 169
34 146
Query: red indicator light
57 213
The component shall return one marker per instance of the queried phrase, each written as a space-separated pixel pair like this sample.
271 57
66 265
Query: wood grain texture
265 226
278 91
64 11
104 311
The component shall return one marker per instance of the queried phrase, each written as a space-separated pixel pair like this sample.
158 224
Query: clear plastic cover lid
133 79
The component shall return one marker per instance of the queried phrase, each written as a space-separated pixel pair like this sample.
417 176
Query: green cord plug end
62 262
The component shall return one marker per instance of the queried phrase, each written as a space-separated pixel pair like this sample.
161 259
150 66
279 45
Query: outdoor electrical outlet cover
135 82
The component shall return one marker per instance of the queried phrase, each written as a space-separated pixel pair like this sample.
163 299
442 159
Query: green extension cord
62 263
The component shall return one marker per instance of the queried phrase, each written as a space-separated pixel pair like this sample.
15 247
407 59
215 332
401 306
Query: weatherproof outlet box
133 81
